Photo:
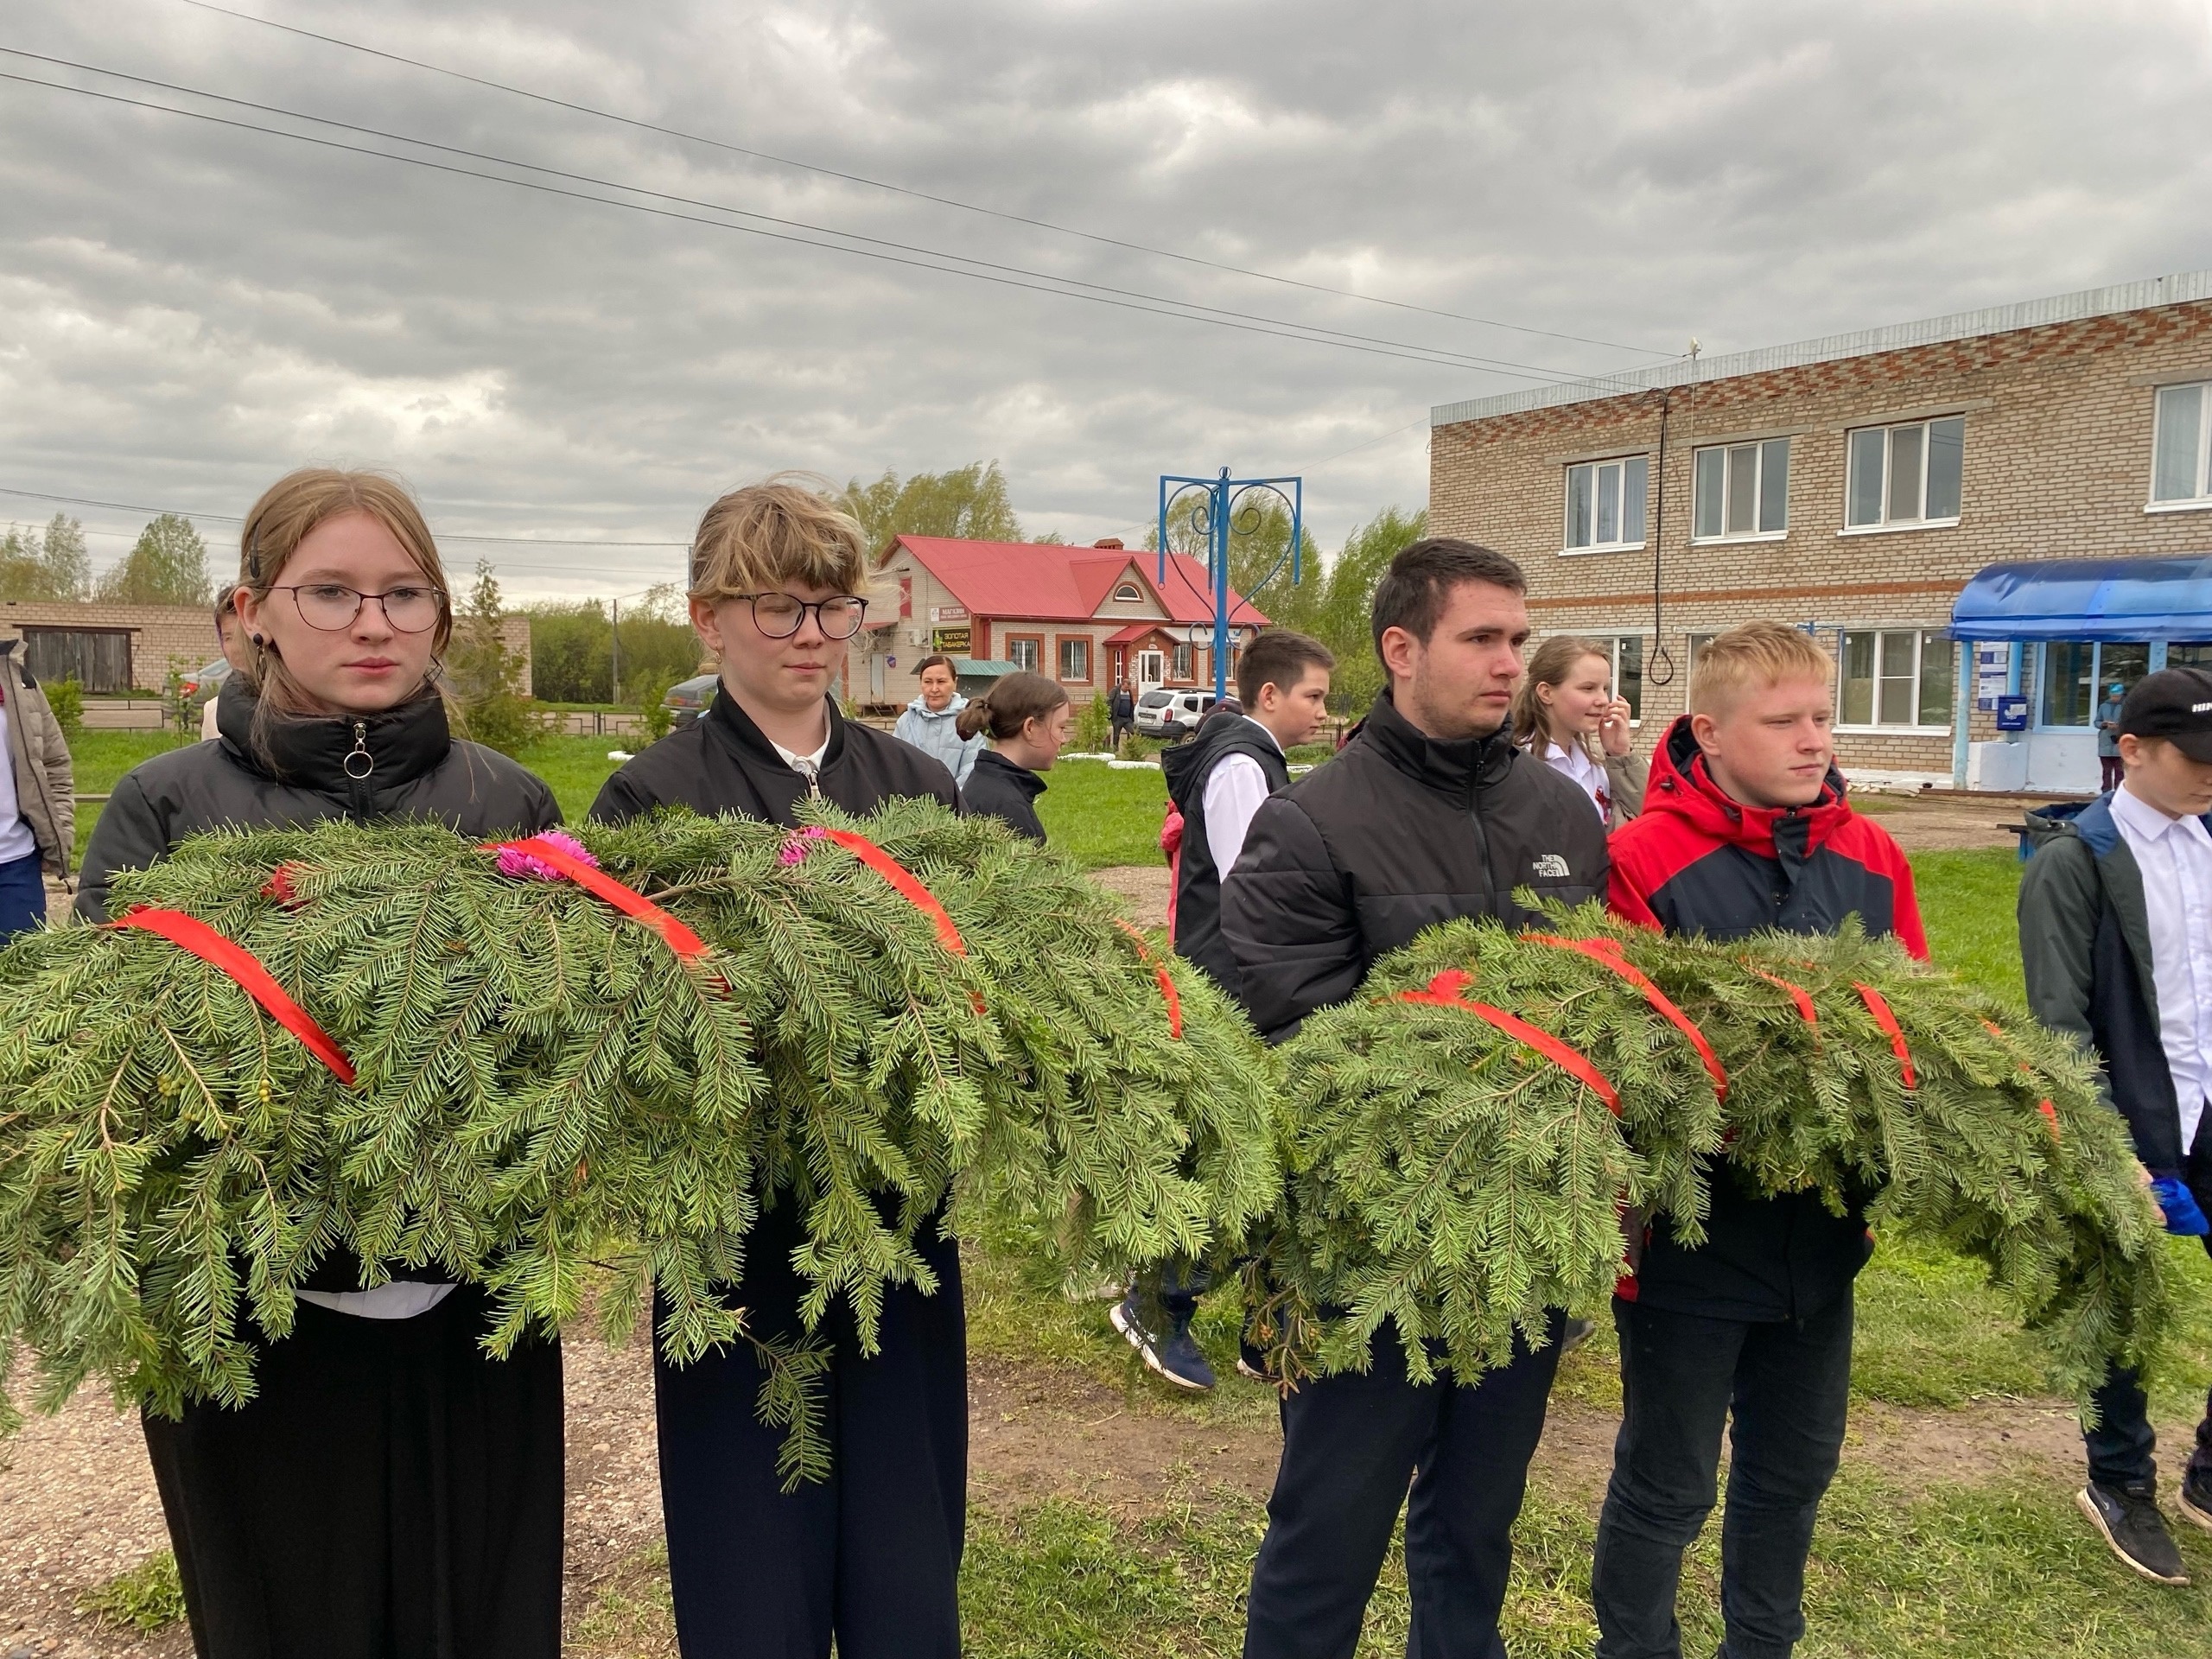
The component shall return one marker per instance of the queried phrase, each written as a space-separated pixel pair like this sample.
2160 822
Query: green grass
1966 901
148 1598
1102 816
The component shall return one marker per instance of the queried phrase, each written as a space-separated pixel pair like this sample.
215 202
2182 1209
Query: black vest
1198 885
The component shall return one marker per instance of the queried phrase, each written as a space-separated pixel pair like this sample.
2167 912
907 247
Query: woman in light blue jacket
932 720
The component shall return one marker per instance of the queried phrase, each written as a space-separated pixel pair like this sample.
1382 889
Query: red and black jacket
1698 861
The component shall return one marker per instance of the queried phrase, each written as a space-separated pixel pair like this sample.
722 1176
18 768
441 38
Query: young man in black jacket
871 1555
1218 781
1430 813
2116 943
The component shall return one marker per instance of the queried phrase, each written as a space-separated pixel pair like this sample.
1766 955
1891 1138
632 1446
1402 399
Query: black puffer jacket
721 763
415 768
1187 767
999 789
1399 832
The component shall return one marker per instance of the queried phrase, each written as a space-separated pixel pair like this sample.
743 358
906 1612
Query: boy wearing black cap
2116 938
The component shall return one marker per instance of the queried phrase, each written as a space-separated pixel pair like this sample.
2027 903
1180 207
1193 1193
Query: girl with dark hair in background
390 1489
1026 716
931 721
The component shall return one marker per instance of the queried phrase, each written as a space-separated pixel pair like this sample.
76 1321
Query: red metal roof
1051 582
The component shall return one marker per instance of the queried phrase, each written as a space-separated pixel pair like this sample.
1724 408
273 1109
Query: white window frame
1728 455
1619 467
1016 644
2201 501
1921 639
1128 593
1183 663
1886 525
1613 644
1081 642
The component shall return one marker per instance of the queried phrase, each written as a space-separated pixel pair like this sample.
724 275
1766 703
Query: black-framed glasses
781 615
327 606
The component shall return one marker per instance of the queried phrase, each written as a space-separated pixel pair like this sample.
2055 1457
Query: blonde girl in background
391 1492
1565 713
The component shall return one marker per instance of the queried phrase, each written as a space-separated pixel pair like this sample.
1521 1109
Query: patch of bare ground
1941 821
1142 888
78 1505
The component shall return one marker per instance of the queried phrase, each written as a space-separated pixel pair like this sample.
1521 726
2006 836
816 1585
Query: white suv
1172 714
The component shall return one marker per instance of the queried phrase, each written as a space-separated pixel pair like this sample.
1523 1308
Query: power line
237 518
903 190
1044 281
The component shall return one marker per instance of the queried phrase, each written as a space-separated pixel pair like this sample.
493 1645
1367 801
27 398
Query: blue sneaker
1176 1359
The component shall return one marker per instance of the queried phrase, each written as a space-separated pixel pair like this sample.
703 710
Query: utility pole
614 655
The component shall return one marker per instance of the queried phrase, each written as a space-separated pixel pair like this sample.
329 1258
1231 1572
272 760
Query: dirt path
78 1504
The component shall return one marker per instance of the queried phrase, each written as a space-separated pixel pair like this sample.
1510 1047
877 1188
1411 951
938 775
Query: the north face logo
1552 865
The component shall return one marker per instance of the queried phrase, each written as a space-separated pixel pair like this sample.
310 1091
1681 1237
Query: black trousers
873 1554
389 1493
2122 1448
1788 1384
1348 1444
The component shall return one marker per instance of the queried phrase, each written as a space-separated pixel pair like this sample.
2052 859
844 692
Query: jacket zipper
358 796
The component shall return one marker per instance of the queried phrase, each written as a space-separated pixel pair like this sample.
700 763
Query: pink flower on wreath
518 862
794 849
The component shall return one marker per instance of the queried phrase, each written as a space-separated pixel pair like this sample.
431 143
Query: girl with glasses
389 1489
871 1555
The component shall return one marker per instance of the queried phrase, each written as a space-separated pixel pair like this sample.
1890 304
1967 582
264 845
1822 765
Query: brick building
1855 485
113 650
1084 616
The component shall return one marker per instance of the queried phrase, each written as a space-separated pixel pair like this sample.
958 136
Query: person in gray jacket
38 822
931 722
2115 916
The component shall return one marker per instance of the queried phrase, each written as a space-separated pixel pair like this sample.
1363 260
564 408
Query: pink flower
794 849
516 862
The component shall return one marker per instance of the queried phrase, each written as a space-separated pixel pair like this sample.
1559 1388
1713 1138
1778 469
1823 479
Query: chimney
1111 543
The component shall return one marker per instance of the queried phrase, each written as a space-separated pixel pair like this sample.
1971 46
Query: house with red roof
1085 616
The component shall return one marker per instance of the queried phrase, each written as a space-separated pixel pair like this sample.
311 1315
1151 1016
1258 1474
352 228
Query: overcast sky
188 309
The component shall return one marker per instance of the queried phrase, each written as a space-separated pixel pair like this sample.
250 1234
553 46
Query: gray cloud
187 311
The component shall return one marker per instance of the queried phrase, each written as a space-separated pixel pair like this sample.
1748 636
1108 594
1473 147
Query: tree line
168 565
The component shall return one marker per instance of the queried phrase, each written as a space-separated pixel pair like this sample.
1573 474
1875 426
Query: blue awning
2166 599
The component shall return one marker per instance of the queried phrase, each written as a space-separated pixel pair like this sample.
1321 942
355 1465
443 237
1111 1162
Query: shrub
67 699
1094 727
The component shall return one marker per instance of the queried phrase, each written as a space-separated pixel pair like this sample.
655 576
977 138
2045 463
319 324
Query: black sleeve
544 806
129 836
1287 914
620 800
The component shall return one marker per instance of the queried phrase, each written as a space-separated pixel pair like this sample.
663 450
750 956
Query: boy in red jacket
1744 828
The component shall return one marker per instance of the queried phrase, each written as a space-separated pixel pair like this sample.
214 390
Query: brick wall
2057 464
179 635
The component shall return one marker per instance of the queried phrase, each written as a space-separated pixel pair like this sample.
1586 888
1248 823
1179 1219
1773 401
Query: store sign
1993 667
953 642
948 613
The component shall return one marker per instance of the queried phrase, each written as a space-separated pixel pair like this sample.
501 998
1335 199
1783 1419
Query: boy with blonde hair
872 1555
1744 828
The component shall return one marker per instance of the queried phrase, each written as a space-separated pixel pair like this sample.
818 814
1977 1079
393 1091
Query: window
1182 658
1896 678
2196 654
1906 475
1127 594
1743 489
2181 463
2076 671
1075 658
1023 650
1605 504
1628 672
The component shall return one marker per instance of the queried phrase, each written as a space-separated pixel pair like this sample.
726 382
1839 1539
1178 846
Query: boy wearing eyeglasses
872 1555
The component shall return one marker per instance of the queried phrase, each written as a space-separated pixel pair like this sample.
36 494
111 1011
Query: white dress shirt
1575 762
2175 855
1234 789
16 838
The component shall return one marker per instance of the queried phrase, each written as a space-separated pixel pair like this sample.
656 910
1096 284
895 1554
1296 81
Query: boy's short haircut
1279 658
1416 588
1754 654
780 533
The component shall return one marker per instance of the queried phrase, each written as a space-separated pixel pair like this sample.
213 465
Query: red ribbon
597 882
1607 953
2049 1112
1160 973
190 933
1798 994
1877 1006
1444 992
903 880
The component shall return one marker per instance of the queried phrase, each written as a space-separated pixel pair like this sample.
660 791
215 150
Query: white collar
804 765
2146 820
1272 738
